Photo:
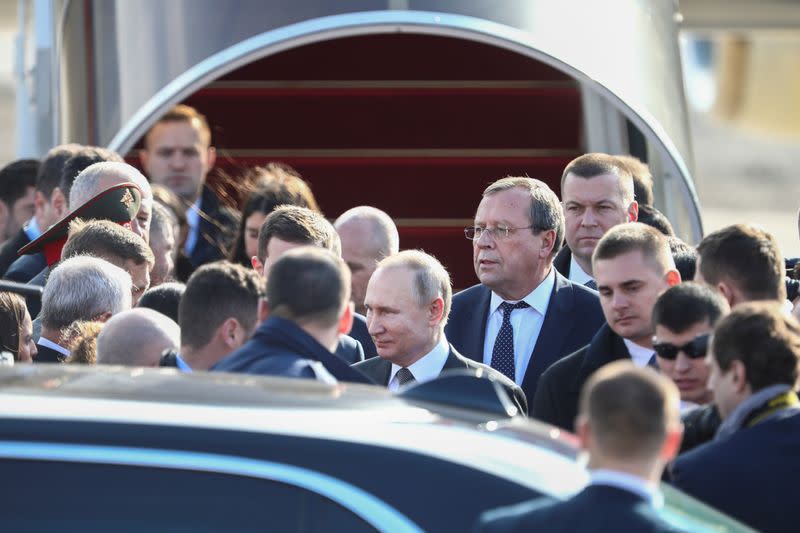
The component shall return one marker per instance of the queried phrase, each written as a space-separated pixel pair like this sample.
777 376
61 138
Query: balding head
368 236
136 338
100 176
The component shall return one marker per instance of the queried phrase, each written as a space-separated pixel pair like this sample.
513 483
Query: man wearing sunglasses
683 319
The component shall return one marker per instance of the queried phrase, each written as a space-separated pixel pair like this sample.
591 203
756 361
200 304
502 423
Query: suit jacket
563 260
751 475
26 267
281 348
217 229
8 252
350 350
573 317
361 334
379 370
597 508
48 355
556 400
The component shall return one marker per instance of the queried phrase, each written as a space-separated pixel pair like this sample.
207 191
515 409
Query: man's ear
144 159
212 157
263 309
673 277
548 242
102 317
633 211
346 320
672 443
583 431
257 265
436 311
727 292
60 203
230 333
739 375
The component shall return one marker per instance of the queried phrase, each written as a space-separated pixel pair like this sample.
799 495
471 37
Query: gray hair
83 288
88 183
136 338
385 239
162 223
545 213
431 279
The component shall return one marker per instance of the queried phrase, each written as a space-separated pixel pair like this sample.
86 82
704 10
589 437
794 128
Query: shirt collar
576 273
193 214
32 229
430 365
539 298
47 343
629 482
182 365
640 354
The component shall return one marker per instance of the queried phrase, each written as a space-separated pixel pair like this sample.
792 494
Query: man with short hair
50 205
597 194
368 235
178 153
308 290
633 266
524 315
82 159
629 425
291 226
642 178
217 314
136 337
749 470
408 300
17 193
684 317
79 288
110 241
743 262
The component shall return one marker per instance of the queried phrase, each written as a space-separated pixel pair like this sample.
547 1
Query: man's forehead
175 133
630 266
594 188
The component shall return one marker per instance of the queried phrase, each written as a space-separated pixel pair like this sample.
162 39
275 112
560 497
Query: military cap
118 203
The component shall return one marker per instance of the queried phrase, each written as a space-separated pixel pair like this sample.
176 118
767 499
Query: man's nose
682 362
485 240
588 218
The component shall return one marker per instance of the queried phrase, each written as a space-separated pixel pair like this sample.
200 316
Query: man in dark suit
408 300
597 193
308 293
290 227
178 154
524 316
630 426
633 266
750 468
17 193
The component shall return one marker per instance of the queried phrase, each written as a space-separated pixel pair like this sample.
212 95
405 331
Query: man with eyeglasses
683 318
523 316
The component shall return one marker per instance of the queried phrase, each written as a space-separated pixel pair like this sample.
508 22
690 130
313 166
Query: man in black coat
524 316
629 424
308 290
408 299
749 470
633 266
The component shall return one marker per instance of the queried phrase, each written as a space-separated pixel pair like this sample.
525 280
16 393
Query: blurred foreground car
113 449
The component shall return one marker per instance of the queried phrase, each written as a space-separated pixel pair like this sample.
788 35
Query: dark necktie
653 363
503 350
404 376
591 284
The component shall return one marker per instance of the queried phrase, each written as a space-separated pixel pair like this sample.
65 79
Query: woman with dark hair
16 328
272 185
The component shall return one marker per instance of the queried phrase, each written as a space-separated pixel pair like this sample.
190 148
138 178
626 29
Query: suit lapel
454 360
555 329
474 332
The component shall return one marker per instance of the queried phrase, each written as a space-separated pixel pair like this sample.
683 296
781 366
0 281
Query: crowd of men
668 361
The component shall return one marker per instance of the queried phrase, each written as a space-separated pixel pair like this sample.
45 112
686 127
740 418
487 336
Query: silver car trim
374 511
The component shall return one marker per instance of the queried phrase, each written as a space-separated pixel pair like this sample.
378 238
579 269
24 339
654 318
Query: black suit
361 334
48 355
8 252
751 475
26 267
350 350
563 260
216 230
556 400
597 508
380 370
573 317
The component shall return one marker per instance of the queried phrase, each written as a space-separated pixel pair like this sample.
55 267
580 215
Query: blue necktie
653 363
503 350
591 284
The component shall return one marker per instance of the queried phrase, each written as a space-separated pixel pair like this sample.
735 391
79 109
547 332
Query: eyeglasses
694 349
499 233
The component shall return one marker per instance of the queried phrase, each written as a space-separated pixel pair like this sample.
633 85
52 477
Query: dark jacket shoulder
8 251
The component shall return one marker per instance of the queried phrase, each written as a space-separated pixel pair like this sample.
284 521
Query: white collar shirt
641 355
526 323
425 368
577 274
47 343
193 221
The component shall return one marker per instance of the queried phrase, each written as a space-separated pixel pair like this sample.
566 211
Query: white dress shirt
47 343
527 324
631 483
426 368
640 355
193 221
32 229
576 273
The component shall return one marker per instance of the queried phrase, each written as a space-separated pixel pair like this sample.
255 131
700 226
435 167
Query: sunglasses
694 349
